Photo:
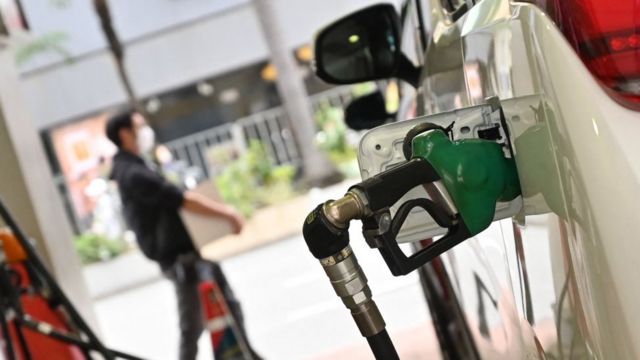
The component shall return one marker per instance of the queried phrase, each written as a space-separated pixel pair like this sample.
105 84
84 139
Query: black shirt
150 207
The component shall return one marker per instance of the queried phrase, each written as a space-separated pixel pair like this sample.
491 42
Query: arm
202 205
152 190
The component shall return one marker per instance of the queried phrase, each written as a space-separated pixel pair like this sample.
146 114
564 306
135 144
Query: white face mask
146 139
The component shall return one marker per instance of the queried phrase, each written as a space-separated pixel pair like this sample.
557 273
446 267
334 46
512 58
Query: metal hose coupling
326 233
350 284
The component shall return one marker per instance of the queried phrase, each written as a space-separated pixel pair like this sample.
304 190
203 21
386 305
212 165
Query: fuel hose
381 346
328 241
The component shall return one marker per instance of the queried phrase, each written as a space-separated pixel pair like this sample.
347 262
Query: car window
452 5
454 9
411 44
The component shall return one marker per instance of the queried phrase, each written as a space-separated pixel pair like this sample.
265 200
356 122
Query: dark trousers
185 275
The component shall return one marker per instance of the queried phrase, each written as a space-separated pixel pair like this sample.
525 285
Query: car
557 279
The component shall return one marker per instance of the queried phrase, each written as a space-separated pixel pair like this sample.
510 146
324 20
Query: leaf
60 4
45 43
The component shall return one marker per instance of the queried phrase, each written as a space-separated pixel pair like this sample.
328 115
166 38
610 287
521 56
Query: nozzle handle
401 264
386 188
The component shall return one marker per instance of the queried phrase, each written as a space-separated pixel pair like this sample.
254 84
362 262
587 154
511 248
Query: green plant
365 88
279 185
235 184
253 181
332 138
93 248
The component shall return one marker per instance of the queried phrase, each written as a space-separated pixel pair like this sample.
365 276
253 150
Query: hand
236 220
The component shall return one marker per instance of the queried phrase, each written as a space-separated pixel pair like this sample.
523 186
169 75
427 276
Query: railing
270 127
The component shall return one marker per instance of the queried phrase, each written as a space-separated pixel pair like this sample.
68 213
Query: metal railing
270 127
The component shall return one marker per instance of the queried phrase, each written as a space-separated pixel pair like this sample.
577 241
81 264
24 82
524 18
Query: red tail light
606 35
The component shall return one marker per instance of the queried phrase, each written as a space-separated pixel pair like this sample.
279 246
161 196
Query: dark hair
117 122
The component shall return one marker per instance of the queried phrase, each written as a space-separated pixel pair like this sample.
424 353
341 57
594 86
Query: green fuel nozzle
475 173
469 176
465 179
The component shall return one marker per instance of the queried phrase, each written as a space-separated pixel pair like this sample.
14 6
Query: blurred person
150 205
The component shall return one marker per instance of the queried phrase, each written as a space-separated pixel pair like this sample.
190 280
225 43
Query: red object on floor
38 308
40 346
219 322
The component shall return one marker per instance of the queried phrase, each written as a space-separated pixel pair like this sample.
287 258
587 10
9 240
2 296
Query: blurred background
228 87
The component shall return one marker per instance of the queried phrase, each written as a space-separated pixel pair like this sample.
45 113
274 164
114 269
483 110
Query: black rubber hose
24 346
382 347
9 350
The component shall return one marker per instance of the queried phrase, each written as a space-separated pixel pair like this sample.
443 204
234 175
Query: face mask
146 139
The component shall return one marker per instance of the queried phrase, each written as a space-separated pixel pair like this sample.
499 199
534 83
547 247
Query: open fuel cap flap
384 148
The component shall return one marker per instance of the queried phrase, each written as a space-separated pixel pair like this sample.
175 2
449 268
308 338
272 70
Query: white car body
575 245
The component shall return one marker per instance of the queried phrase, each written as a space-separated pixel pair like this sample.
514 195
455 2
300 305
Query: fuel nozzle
326 233
464 179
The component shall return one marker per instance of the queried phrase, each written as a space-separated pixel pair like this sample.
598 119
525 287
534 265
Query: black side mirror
367 112
362 46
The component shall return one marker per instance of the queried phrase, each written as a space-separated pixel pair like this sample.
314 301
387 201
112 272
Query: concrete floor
290 308
291 311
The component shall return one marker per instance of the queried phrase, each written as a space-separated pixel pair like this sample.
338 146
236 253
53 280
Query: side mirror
367 112
362 46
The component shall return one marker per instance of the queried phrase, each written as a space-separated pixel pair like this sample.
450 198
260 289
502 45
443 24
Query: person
151 207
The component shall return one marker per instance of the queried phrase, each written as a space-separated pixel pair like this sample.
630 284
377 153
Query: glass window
452 5
411 44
